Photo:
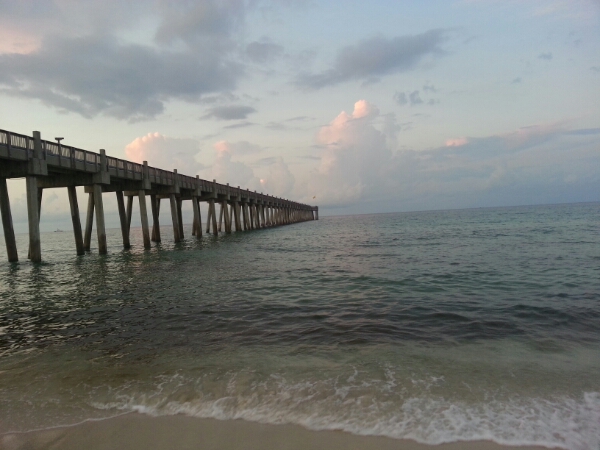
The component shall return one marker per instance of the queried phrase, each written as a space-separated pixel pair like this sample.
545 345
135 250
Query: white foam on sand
561 421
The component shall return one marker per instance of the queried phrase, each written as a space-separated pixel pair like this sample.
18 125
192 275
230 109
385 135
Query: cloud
415 98
376 57
361 167
516 80
546 56
428 87
354 160
241 148
94 74
263 52
232 112
400 98
300 119
279 180
456 142
121 59
275 179
207 23
236 173
165 153
239 125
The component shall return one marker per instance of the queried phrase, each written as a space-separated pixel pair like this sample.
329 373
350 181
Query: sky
354 106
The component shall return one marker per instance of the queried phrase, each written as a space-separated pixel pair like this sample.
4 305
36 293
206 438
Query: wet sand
137 432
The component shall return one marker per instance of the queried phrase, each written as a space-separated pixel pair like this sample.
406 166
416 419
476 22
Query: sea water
435 326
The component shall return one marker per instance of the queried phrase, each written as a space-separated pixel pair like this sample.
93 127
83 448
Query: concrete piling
155 207
175 218
100 227
144 218
75 220
7 223
89 222
123 219
33 215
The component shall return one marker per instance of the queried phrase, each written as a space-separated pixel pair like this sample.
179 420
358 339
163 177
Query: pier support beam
236 215
155 207
221 216
262 213
213 214
251 216
246 216
226 216
197 225
208 219
89 222
144 217
175 218
75 219
180 217
123 219
129 212
33 215
100 227
7 223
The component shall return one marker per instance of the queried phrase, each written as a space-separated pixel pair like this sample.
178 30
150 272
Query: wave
561 421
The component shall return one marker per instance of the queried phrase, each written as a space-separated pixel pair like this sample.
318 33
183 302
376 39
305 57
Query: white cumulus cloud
165 153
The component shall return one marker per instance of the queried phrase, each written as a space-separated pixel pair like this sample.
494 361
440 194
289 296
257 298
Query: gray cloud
239 125
230 112
415 98
428 87
546 56
400 98
263 52
265 161
206 23
93 75
299 119
516 80
595 69
377 56
275 126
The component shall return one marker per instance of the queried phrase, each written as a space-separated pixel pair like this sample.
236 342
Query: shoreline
135 431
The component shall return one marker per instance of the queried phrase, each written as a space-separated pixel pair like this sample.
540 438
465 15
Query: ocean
439 326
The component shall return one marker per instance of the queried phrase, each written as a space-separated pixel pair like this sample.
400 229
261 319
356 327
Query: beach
138 432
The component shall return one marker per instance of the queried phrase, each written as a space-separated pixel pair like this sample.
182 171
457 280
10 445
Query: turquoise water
435 326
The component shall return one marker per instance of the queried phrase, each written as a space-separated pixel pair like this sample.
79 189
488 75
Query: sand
137 432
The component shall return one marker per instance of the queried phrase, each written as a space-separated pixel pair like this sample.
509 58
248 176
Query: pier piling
155 207
123 219
89 221
7 223
175 218
144 218
33 215
75 220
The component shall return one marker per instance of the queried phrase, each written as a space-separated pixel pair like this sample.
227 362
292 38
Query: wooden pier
46 164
